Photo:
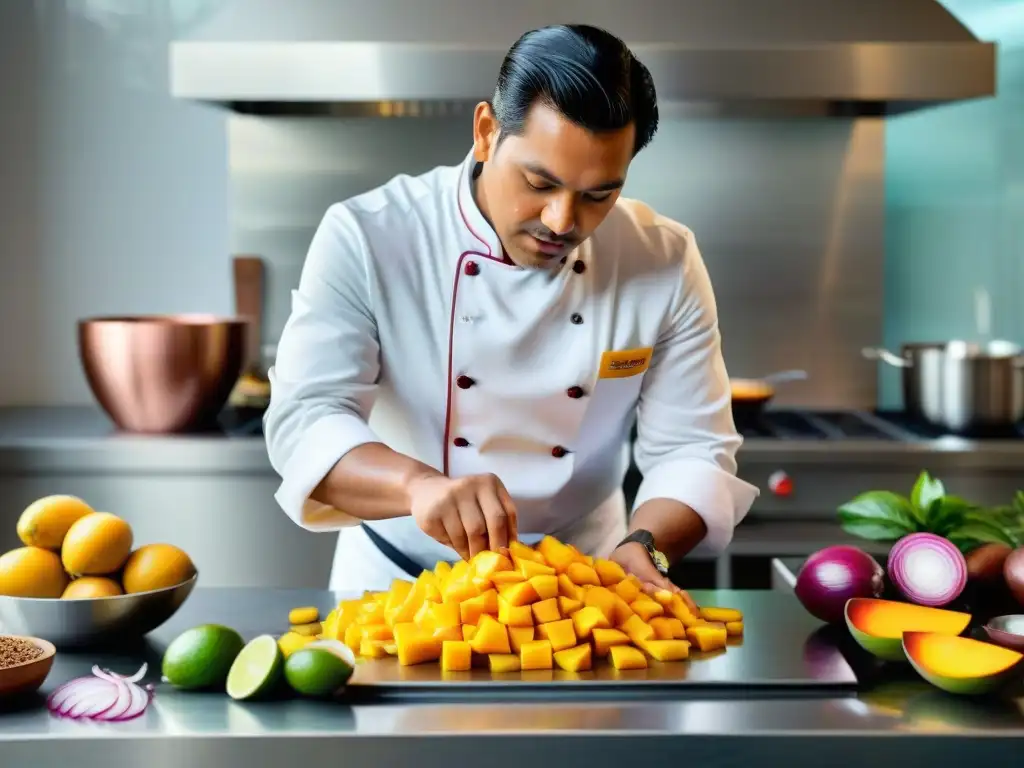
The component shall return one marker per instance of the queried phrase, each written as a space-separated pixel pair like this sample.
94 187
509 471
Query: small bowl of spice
24 664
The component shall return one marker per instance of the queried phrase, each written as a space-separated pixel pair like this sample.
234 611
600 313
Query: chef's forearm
371 482
676 527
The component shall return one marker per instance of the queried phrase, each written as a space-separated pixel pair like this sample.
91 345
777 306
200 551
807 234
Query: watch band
646 538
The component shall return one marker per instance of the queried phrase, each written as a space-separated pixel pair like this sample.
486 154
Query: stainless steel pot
960 386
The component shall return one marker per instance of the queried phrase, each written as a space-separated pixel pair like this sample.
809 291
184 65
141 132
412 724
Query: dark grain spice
15 650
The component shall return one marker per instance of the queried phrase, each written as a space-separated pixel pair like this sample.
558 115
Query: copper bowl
162 373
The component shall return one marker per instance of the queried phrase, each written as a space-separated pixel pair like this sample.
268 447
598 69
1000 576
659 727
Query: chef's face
545 191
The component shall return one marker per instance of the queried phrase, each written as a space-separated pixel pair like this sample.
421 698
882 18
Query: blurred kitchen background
828 227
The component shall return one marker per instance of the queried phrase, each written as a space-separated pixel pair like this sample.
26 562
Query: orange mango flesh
959 657
527 609
890 619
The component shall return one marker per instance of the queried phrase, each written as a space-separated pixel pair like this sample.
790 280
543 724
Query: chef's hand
634 559
468 514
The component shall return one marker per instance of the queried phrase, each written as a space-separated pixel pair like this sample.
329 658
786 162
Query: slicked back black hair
586 74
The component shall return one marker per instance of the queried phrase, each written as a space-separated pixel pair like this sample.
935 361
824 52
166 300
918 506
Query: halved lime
256 670
321 669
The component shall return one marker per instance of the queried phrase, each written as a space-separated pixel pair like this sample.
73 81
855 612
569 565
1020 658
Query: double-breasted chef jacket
411 327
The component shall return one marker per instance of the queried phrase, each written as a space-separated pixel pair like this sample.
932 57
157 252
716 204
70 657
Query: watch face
660 562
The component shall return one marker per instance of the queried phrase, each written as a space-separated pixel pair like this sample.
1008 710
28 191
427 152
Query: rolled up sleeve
323 382
686 437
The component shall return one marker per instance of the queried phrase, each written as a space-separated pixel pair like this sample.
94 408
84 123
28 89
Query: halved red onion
105 696
927 569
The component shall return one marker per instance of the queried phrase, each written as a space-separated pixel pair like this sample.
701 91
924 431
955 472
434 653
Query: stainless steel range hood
425 57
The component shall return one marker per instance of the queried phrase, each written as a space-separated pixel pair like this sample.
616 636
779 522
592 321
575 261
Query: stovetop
884 425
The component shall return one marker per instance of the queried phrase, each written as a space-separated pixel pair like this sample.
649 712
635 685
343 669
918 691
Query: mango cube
734 628
667 650
567 588
628 590
488 562
531 568
707 638
416 647
503 662
586 619
603 599
514 615
501 578
576 659
545 585
456 656
561 634
646 608
637 629
581 574
536 654
518 636
609 572
490 637
567 606
666 628
605 639
519 594
546 611
723 615
627 657
472 609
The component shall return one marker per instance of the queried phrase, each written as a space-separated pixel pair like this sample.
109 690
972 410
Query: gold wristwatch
646 538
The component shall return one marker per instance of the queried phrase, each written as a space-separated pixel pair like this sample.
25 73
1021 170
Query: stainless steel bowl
93 621
162 373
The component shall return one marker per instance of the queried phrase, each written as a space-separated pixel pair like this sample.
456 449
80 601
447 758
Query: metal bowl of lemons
80 579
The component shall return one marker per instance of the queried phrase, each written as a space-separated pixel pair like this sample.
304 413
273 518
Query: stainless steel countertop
81 438
902 715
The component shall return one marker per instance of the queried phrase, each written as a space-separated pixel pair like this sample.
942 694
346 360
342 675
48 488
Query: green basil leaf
926 490
984 532
946 513
1018 502
873 529
883 507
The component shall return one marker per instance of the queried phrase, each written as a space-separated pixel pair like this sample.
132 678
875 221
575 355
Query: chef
468 348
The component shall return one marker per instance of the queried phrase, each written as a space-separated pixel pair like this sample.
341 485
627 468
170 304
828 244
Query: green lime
256 670
320 669
201 657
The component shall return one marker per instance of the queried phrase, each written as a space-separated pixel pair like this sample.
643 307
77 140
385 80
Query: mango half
878 625
960 664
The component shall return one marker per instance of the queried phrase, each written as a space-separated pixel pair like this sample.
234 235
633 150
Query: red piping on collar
504 256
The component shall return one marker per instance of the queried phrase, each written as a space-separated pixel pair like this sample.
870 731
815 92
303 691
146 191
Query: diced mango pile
523 608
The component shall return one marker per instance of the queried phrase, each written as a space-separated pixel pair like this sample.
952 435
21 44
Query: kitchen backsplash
115 198
955 203
788 215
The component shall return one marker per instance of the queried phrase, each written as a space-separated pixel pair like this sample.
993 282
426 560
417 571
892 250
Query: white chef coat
410 327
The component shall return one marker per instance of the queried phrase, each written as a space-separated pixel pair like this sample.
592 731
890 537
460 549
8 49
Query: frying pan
750 396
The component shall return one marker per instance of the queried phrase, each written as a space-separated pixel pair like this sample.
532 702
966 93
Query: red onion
927 569
833 575
105 696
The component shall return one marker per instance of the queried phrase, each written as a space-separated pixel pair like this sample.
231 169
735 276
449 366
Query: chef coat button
575 392
576 318
460 442
472 268
464 382
578 267
558 451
